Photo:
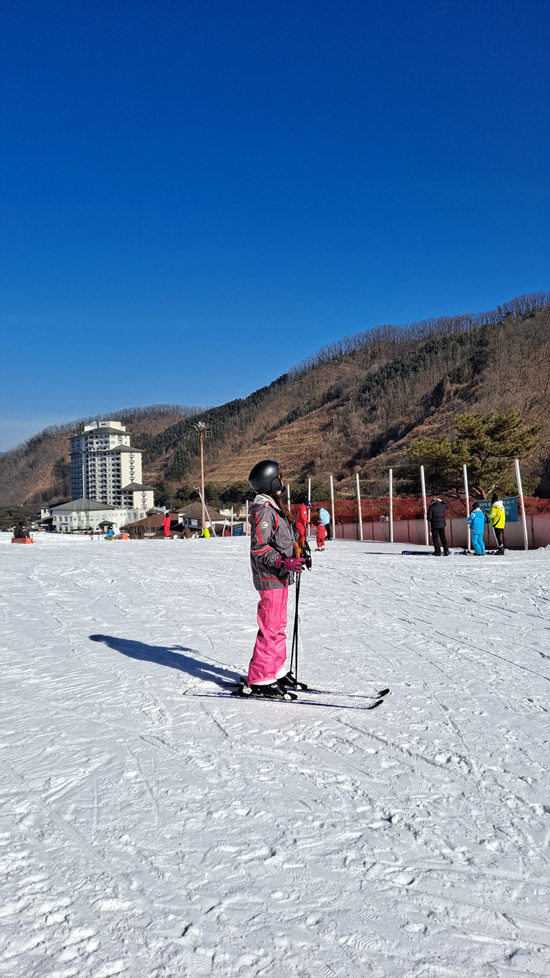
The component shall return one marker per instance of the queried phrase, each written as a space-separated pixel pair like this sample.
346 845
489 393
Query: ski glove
295 564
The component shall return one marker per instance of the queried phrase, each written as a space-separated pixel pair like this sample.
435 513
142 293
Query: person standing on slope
321 534
324 518
437 521
302 520
272 538
476 522
497 519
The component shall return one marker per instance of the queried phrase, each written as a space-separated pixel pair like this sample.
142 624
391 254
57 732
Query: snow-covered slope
152 827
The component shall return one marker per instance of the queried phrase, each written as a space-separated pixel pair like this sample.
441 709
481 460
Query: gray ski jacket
270 535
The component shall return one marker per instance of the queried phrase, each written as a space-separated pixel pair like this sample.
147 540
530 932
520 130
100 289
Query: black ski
378 695
292 699
423 553
488 553
303 688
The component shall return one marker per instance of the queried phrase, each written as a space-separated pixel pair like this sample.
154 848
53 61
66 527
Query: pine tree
487 443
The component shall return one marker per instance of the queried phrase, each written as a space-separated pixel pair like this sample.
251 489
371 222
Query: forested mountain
352 407
37 472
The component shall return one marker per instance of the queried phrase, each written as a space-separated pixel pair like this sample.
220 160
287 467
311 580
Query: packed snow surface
152 825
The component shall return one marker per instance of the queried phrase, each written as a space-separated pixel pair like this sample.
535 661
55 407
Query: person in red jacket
302 521
166 524
321 536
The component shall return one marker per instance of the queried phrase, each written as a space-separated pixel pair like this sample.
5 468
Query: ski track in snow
150 831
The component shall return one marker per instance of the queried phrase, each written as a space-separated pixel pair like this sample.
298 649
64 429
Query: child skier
321 534
272 538
476 522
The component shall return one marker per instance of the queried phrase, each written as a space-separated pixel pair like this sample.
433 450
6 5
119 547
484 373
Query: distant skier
321 535
437 521
497 519
324 518
272 538
166 524
476 522
302 521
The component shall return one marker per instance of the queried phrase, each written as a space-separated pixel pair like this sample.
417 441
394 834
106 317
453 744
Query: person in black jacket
436 519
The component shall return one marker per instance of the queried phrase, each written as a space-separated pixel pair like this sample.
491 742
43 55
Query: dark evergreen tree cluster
10 516
487 445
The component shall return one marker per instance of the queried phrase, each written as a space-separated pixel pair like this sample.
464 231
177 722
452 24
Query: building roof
156 520
100 431
118 449
124 448
82 506
194 510
137 487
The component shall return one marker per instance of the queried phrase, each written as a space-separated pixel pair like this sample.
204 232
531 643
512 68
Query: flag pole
359 507
467 493
523 516
391 505
423 483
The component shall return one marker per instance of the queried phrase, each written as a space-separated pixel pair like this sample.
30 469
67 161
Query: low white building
86 514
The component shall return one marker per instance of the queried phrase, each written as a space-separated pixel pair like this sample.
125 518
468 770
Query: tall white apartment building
105 468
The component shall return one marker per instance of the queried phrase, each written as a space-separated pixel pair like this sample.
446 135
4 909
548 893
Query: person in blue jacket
476 522
324 518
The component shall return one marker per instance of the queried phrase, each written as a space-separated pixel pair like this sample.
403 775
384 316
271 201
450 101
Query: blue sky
197 194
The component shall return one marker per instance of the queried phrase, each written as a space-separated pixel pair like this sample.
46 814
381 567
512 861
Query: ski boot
290 682
271 691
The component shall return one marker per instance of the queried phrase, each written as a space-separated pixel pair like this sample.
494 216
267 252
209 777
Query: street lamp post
204 432
204 509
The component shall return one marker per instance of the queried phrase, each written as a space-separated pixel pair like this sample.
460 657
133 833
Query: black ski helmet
264 477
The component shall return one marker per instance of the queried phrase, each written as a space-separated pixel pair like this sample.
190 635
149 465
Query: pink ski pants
269 655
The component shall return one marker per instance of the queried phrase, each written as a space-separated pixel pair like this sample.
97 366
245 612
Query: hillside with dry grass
357 406
353 407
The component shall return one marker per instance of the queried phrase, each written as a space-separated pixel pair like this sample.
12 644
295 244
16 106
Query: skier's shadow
175 657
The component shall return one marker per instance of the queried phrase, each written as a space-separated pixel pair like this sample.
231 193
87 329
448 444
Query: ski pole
305 552
294 652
